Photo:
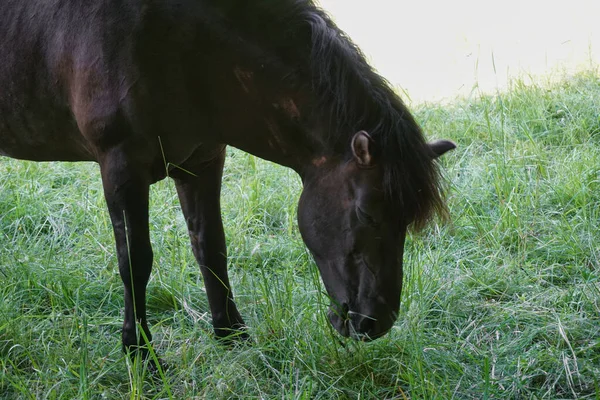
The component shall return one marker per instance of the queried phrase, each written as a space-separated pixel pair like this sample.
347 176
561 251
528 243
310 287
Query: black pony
156 88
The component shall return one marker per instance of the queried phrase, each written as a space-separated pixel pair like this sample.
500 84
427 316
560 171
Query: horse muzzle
360 326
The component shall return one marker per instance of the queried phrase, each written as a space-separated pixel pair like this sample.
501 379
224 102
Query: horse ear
361 148
440 146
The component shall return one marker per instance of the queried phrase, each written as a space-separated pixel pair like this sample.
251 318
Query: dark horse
156 88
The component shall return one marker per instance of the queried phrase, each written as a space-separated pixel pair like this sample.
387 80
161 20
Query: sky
436 50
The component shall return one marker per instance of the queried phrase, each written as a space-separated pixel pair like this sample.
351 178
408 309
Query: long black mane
350 95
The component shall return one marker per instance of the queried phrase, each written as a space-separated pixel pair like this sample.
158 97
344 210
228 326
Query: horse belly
39 135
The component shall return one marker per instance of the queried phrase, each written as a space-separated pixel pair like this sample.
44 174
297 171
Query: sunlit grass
503 302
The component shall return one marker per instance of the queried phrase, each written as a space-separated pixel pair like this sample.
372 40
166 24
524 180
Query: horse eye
366 218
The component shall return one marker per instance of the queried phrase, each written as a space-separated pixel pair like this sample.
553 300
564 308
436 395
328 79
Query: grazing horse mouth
356 325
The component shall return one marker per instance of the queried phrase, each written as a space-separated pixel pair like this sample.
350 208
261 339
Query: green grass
502 302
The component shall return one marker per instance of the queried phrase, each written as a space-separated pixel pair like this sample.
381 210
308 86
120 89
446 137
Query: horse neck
273 124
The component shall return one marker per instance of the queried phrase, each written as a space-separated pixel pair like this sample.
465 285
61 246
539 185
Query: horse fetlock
232 336
229 325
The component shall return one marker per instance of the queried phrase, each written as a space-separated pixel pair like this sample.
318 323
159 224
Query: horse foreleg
126 188
199 195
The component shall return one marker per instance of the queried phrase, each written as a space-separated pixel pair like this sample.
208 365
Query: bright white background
436 49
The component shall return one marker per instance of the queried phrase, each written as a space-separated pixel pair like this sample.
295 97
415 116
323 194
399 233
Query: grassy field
502 302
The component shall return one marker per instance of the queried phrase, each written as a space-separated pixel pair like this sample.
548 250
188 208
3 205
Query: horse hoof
232 337
157 367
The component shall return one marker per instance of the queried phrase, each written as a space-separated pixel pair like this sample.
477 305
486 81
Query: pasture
503 301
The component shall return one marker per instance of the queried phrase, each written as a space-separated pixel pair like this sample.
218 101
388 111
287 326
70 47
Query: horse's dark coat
150 88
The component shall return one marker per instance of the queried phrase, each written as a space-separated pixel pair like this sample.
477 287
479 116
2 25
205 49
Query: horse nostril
340 310
362 324
338 316
345 310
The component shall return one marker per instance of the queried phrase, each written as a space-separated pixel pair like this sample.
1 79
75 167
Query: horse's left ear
440 146
362 146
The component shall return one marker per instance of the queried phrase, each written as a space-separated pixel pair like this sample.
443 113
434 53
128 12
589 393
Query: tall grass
503 302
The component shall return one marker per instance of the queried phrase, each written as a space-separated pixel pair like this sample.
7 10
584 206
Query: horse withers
150 89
